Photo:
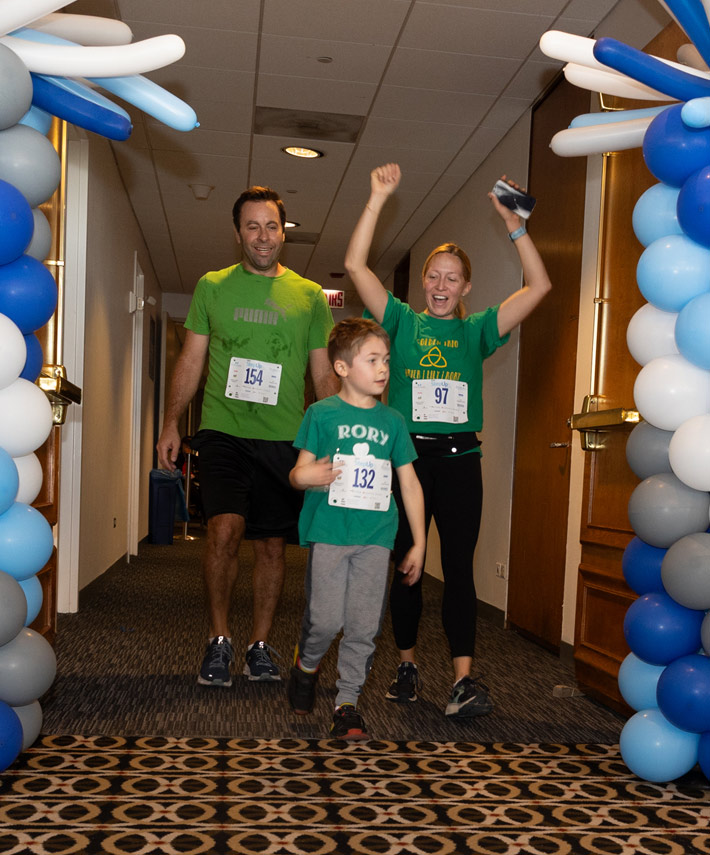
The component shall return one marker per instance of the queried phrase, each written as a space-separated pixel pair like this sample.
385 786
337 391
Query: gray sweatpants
345 589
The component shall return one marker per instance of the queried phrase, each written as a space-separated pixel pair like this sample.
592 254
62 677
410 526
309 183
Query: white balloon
25 418
689 452
111 61
651 333
85 29
670 390
17 13
611 83
596 139
30 473
13 351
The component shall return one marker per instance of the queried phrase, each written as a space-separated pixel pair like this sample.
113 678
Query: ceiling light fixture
324 59
298 151
201 191
290 225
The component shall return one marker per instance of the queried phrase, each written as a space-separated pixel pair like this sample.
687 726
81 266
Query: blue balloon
16 223
691 331
10 736
691 16
76 103
638 681
704 754
672 150
683 693
584 120
35 358
34 595
696 113
28 293
655 214
672 270
694 206
9 481
38 120
647 69
641 565
659 630
655 750
26 541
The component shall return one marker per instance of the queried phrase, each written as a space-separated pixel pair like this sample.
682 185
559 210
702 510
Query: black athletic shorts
249 477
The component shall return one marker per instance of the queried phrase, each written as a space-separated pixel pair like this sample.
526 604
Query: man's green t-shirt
332 426
261 331
426 348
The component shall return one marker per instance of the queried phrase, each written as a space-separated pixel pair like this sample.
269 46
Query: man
263 327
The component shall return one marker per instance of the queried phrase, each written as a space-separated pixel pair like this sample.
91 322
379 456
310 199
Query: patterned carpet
80 796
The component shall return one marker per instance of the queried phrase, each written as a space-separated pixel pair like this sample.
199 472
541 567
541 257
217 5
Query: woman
436 375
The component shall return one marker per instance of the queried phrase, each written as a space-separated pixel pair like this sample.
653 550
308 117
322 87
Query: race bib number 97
364 483
253 380
440 401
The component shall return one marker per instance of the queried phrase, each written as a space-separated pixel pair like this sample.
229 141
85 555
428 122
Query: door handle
560 444
591 422
60 391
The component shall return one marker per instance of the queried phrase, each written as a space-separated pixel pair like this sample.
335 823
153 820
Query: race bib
252 380
440 401
364 483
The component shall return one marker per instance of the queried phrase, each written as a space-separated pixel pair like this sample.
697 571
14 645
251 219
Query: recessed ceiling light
324 59
290 225
298 151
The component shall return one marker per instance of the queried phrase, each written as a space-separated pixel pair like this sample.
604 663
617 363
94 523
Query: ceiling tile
430 105
371 22
306 93
363 63
452 72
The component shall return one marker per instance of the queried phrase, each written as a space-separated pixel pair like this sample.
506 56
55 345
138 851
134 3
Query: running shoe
469 698
348 724
404 688
215 665
259 665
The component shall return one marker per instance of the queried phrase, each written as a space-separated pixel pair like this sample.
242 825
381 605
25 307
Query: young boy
348 444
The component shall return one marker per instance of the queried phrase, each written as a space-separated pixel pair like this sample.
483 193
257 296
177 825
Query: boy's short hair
348 336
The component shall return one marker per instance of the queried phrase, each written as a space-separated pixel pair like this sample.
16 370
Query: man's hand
167 447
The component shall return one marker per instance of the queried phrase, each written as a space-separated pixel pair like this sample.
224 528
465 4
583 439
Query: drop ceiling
431 85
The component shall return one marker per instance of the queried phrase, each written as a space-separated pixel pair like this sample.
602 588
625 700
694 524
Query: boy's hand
412 564
320 473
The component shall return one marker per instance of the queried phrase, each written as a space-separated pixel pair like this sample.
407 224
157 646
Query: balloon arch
51 64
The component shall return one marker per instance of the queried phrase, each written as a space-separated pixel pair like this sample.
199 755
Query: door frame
69 522
134 471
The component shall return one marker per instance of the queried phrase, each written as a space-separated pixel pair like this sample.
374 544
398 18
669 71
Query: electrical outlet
114 522
501 570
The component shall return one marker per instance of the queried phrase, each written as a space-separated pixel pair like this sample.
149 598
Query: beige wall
112 238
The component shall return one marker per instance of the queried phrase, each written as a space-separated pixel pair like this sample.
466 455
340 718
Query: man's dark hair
258 194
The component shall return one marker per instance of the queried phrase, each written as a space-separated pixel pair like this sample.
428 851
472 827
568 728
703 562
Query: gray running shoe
259 664
469 698
215 665
404 688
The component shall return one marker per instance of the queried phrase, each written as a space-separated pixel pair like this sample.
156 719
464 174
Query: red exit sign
336 299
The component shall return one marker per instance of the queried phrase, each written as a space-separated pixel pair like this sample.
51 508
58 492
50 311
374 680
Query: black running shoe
301 690
348 724
259 665
215 665
469 698
404 688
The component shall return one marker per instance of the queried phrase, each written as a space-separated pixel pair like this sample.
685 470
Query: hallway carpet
127 666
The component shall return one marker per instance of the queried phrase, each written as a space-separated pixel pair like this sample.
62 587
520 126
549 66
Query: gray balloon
685 571
705 633
15 88
13 608
647 450
31 717
41 242
662 509
28 160
27 668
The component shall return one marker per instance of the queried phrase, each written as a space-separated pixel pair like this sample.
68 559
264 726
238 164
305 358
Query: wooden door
602 594
47 502
548 346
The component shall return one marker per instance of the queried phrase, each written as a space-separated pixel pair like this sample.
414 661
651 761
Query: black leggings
453 493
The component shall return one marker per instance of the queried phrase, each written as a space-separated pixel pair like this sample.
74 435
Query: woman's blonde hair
452 249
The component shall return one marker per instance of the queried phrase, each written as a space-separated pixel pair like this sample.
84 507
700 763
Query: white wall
112 238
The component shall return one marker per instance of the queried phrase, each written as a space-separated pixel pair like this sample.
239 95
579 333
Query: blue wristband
517 233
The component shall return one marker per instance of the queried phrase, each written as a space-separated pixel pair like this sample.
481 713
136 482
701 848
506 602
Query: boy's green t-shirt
271 322
333 426
425 348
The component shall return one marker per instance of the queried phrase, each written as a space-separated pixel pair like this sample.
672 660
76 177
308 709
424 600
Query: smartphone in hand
516 200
